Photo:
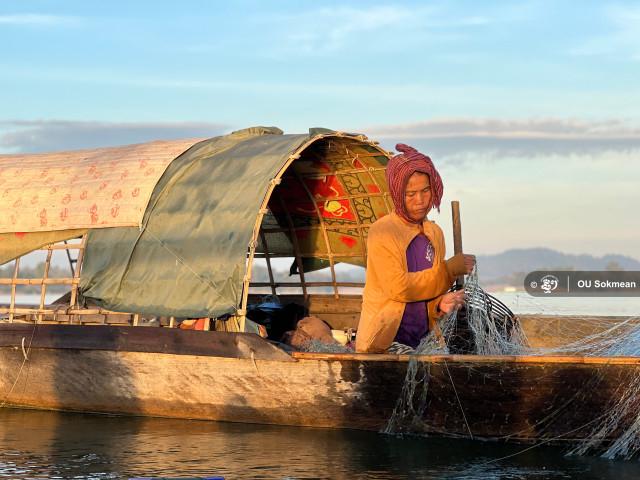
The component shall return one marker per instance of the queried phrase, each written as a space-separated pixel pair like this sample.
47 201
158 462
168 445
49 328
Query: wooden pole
43 285
265 245
12 304
457 236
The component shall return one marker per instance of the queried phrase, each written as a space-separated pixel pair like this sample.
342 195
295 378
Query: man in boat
407 280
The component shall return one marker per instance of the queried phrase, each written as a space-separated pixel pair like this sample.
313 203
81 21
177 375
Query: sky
530 110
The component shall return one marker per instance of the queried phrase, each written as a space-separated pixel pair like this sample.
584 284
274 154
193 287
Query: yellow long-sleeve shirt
390 286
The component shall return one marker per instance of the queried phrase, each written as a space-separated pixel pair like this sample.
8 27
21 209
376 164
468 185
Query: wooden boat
91 355
240 377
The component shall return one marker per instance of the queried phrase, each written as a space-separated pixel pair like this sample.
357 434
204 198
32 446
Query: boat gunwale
114 333
455 358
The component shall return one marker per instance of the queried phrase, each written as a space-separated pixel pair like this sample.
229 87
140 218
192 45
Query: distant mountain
510 267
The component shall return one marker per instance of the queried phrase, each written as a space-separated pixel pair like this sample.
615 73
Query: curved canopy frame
252 194
321 209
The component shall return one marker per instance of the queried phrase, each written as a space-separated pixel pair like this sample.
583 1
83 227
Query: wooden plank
327 304
497 359
340 314
140 339
339 321
321 303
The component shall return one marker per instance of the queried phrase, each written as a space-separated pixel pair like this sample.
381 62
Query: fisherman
407 279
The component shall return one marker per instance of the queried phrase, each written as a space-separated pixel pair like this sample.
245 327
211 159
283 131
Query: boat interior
310 251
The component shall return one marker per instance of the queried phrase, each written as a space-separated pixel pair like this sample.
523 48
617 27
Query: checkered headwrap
401 167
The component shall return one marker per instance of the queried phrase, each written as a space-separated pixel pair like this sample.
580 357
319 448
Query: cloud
329 29
457 138
38 20
622 39
51 135
326 30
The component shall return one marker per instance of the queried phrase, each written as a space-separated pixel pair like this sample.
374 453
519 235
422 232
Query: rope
24 361
458 399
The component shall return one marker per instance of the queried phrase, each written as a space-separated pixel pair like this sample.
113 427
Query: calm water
521 302
40 445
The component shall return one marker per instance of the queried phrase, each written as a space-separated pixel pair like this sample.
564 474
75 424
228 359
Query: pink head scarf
401 167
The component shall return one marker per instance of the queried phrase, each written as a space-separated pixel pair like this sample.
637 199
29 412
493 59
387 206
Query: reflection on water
523 303
37 444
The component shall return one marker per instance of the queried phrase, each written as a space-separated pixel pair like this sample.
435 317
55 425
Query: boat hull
512 398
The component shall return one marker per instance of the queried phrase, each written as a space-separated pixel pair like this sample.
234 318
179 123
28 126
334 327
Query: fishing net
318 346
487 327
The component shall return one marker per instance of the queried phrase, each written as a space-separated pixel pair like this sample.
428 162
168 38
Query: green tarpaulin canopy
189 259
255 191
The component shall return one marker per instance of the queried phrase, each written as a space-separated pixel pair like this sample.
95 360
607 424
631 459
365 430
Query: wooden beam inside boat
139 339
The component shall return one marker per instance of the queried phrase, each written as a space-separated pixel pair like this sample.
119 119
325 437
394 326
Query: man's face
417 196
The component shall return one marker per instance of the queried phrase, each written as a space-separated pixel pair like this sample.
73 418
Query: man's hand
469 263
452 301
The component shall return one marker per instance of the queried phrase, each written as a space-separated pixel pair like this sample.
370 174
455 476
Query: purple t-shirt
414 324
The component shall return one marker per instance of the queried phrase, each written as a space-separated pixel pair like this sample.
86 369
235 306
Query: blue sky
530 109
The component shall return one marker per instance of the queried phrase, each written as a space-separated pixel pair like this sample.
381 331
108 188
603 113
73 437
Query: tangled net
491 329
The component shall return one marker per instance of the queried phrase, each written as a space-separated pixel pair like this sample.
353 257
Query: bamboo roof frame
337 144
38 313
383 192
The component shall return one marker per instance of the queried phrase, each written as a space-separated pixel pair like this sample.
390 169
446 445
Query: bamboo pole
457 236
71 260
294 156
246 281
60 246
323 229
355 195
296 246
38 312
43 286
12 301
330 227
61 310
268 259
309 284
73 301
38 281
312 255
383 193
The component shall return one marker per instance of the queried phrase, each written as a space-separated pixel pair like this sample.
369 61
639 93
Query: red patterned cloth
401 167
